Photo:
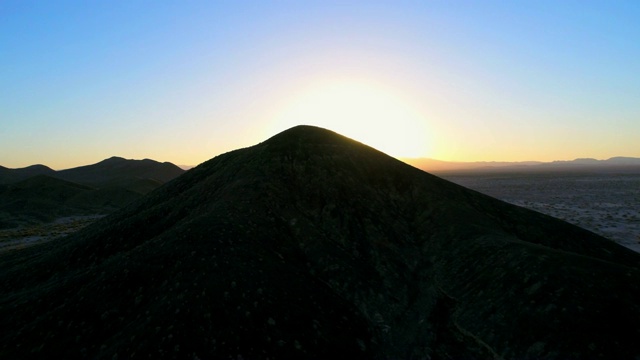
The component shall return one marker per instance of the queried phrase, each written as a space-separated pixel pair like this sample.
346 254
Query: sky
184 81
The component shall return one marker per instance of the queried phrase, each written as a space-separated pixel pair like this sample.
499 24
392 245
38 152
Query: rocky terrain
311 245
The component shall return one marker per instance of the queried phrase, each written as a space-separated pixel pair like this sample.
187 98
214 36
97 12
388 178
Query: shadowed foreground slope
313 245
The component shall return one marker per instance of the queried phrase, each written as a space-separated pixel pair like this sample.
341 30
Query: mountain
136 175
615 163
13 175
117 170
622 160
43 198
37 194
312 245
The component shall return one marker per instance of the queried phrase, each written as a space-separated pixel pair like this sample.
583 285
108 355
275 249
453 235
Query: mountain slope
43 198
313 245
113 182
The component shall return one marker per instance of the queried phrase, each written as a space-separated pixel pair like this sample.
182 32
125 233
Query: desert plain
604 202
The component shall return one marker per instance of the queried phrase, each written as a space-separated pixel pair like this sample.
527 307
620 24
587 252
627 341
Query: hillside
38 194
312 245
136 175
43 198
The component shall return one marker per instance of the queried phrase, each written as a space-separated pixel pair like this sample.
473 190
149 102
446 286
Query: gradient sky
184 81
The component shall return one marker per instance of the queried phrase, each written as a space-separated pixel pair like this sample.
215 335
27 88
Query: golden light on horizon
366 112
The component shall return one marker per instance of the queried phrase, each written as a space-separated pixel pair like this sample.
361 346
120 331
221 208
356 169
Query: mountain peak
114 158
306 141
305 134
303 129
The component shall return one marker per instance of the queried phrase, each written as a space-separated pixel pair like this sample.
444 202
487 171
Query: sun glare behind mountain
365 112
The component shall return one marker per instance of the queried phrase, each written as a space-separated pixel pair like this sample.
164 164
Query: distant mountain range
112 171
614 163
39 194
312 245
13 175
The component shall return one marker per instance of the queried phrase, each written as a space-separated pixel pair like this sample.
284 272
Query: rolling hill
121 172
312 245
43 198
38 194
14 175
114 171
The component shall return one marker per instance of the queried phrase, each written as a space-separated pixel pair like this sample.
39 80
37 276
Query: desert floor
607 204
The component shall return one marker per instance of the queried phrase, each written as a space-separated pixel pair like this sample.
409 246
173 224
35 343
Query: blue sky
183 81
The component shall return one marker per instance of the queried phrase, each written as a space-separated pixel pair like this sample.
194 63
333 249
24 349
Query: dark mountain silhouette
312 245
38 194
119 171
43 198
115 171
14 175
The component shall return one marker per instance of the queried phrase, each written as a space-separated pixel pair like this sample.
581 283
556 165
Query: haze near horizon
186 81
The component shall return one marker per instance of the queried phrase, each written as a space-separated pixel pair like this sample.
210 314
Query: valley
21 237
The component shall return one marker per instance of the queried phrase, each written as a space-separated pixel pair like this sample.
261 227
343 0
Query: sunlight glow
364 111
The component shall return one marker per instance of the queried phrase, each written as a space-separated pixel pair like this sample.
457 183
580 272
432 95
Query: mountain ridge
145 168
117 168
107 185
8 175
428 164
